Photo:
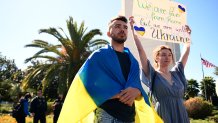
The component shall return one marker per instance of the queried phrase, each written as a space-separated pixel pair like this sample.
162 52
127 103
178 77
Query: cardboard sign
160 20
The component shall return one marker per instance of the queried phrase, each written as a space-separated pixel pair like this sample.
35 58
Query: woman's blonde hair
156 53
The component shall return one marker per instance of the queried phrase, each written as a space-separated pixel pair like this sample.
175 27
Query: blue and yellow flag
99 79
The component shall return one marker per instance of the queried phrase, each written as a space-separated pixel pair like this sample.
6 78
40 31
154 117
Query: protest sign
163 21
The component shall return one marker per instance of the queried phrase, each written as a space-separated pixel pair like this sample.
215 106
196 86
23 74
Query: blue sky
21 20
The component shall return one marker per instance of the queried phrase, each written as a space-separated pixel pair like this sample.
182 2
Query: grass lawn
8 119
4 118
202 121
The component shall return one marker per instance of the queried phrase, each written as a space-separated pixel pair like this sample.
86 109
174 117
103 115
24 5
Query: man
38 107
120 107
108 84
57 105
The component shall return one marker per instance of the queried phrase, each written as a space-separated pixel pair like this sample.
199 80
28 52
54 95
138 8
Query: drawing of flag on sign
207 63
140 30
181 9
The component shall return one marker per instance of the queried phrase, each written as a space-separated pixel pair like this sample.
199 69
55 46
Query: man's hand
33 114
128 95
30 115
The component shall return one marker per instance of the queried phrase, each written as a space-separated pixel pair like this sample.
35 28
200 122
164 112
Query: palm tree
67 57
208 88
34 74
216 71
192 89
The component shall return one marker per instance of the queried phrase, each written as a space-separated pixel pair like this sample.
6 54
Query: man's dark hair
121 18
28 95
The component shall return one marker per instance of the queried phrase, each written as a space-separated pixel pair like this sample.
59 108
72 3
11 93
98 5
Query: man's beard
118 40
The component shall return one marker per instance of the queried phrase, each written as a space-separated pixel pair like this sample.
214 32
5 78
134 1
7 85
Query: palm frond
49 58
89 35
72 28
32 73
52 71
64 33
64 41
68 45
87 40
52 31
98 42
38 43
82 29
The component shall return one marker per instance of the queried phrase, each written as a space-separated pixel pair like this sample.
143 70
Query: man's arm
45 105
32 106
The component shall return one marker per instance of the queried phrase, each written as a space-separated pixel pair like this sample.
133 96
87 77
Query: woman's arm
186 50
142 54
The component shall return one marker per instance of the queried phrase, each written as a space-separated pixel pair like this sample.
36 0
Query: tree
10 77
63 60
208 84
7 68
36 80
216 71
192 89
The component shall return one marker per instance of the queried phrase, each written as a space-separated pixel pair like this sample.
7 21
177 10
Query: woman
23 108
168 85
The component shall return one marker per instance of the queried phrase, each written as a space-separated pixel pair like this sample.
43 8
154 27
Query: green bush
5 108
197 108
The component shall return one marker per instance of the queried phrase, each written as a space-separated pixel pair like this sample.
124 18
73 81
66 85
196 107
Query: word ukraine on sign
163 21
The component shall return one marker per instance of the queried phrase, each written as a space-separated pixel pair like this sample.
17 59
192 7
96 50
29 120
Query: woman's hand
131 21
186 50
188 30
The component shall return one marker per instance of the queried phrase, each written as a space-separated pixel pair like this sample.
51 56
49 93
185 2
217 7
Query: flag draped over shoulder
207 63
99 79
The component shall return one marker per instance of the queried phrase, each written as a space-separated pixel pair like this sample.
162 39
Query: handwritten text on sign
164 21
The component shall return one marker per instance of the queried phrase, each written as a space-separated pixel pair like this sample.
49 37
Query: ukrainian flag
99 79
